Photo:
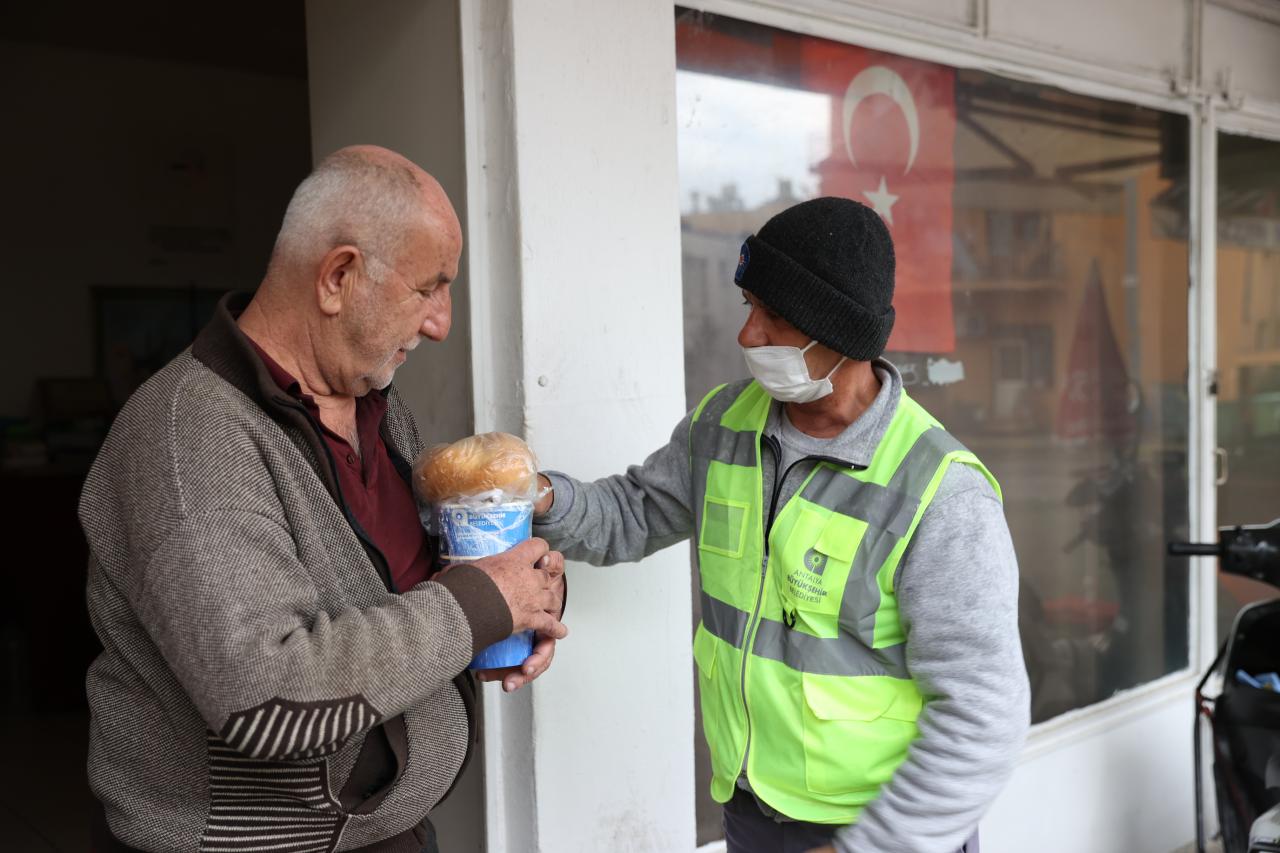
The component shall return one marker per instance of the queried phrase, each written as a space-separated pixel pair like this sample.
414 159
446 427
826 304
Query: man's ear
336 278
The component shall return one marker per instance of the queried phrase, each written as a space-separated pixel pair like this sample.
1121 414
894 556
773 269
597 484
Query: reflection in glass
1042 287
1248 347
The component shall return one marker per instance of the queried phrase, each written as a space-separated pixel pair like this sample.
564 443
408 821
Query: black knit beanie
825 266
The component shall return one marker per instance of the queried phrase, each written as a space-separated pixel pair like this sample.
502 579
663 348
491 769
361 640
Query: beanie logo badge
744 258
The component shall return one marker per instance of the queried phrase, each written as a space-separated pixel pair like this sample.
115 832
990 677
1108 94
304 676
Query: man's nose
751 335
436 325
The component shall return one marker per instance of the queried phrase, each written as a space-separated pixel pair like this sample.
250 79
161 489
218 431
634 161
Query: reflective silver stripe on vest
724 620
877 505
724 399
841 655
911 479
711 441
699 439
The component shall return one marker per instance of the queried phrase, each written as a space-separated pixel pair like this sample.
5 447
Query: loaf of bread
493 462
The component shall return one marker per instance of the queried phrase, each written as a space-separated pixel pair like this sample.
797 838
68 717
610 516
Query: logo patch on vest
815 561
805 587
744 258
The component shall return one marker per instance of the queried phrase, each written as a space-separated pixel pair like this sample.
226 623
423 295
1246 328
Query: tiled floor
44 796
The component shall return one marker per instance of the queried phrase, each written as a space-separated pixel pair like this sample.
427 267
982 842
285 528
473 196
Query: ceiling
259 37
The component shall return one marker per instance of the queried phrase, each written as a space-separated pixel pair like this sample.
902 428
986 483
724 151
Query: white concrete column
575 256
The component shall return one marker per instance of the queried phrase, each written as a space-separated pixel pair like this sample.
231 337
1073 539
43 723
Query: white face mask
783 373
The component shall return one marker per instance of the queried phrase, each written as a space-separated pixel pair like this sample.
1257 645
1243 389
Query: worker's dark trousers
749 830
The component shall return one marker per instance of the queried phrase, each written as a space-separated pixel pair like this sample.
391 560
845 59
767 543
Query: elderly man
284 664
859 663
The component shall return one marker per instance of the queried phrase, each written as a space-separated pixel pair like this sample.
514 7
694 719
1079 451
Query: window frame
966 47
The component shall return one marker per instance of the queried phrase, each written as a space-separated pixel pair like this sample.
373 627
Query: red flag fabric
893 126
1095 399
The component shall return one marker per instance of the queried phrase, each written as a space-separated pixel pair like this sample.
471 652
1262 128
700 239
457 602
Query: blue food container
467 532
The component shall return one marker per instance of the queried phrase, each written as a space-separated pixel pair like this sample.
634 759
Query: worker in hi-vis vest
860 670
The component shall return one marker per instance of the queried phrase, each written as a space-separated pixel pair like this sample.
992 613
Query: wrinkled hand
544 648
515 677
523 575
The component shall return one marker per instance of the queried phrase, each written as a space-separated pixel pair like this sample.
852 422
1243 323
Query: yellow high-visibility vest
801 651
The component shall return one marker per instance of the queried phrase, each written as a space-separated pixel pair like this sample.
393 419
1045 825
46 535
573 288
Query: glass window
1248 347
1041 299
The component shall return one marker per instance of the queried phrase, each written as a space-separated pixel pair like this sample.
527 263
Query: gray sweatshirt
957 589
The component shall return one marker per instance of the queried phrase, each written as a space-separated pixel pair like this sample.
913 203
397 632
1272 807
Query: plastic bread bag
480 470
478 496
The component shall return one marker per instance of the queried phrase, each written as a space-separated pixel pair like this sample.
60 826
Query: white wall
1139 36
87 140
583 209
1213 47
1242 51
1102 783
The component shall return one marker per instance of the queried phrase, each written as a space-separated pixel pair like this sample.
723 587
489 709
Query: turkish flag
893 124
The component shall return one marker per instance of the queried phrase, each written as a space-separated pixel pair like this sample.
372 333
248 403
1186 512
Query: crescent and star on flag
880 80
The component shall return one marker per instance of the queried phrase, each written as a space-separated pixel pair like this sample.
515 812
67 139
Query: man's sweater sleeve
957 591
627 516
196 537
237 617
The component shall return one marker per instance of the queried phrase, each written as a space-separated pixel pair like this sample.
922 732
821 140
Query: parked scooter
1244 714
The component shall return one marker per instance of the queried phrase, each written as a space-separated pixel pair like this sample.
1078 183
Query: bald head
360 274
363 196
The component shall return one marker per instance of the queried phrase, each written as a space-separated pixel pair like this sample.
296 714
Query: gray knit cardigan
257 666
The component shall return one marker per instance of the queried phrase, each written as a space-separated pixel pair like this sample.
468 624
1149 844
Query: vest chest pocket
816 562
724 526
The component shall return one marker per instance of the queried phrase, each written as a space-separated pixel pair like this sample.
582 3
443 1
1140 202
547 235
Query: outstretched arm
624 517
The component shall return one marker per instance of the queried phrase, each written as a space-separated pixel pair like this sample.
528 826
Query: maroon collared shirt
377 497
